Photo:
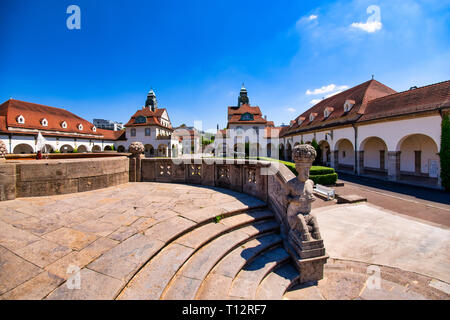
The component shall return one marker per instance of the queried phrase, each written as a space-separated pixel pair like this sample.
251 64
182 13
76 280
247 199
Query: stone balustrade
262 179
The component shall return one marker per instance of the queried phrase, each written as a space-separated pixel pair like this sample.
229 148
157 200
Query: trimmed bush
444 155
318 170
324 179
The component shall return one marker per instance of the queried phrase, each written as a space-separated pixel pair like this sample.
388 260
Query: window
300 120
140 119
20 119
133 132
44 122
348 105
247 117
147 132
311 117
64 125
80 127
94 129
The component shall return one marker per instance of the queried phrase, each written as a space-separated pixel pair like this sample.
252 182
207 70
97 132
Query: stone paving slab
71 238
14 270
35 289
43 252
93 286
366 233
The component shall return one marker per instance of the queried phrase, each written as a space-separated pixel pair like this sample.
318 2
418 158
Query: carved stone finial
304 153
2 149
137 148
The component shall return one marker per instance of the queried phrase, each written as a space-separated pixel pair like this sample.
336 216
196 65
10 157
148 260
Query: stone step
126 259
151 280
218 281
246 283
277 282
188 279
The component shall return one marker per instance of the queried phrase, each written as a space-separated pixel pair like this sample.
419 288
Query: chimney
265 117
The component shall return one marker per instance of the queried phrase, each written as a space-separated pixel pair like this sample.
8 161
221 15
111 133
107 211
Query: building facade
108 124
372 130
151 126
20 123
246 126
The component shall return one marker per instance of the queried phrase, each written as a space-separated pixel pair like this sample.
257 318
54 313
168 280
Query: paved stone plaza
158 240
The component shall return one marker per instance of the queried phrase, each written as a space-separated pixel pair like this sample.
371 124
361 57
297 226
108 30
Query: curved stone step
188 279
218 282
246 283
277 282
126 259
151 280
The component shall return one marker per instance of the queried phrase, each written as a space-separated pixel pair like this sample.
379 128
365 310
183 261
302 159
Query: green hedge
445 152
324 179
318 174
319 170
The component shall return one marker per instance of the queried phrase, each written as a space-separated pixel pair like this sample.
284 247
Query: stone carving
224 174
300 197
251 175
2 149
137 148
164 169
304 235
195 170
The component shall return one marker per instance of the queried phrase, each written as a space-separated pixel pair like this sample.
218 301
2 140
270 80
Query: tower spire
151 101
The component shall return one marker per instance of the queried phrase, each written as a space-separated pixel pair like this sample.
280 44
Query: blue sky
196 54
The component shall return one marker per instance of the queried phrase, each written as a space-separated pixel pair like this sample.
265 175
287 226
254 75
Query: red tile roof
152 118
272 132
33 114
360 95
235 113
427 98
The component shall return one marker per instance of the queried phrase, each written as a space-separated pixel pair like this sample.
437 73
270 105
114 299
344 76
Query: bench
328 192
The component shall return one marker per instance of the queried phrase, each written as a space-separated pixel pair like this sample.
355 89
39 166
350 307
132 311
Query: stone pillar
360 169
137 149
393 165
336 159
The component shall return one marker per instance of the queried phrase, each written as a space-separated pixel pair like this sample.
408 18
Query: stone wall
50 177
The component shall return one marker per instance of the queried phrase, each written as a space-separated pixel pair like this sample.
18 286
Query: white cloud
312 17
315 101
369 27
291 109
325 89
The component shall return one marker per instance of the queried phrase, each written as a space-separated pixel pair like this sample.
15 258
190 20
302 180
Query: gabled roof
152 118
421 99
235 113
34 113
244 109
360 94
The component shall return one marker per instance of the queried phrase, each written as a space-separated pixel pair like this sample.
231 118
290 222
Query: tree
316 146
445 152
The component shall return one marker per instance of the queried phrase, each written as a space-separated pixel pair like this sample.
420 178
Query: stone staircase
236 256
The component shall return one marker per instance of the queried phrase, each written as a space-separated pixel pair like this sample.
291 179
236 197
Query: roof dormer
348 105
327 112
44 122
20 119
94 129
64 125
80 127
312 116
300 120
